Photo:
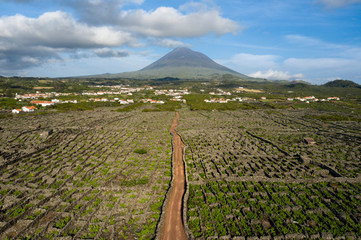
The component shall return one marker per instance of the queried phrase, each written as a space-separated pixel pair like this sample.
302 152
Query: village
220 92
117 94
36 99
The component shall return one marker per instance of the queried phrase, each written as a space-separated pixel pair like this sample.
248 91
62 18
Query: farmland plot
91 175
251 174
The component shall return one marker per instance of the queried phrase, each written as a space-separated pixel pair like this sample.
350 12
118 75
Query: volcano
185 57
185 63
182 63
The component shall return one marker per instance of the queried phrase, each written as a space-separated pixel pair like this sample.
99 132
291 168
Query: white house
16 111
42 103
28 109
55 101
121 101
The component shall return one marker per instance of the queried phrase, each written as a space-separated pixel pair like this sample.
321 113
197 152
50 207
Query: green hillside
342 83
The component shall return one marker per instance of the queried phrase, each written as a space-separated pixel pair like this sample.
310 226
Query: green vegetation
129 108
62 222
168 106
140 151
135 182
82 106
10 103
342 83
293 212
252 174
333 118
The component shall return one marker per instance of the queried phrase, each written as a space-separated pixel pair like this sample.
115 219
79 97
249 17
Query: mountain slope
180 63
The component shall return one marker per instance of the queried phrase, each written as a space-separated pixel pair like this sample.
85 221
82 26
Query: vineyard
102 174
252 174
90 175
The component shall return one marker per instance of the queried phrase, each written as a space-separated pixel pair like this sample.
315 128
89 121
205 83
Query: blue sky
312 40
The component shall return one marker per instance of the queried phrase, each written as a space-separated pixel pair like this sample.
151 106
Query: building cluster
44 103
123 87
121 101
122 90
52 102
34 98
217 100
148 100
240 99
309 99
223 100
41 103
172 92
175 93
24 109
109 86
178 99
242 89
38 95
220 92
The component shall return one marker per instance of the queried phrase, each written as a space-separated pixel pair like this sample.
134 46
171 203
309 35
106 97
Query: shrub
140 151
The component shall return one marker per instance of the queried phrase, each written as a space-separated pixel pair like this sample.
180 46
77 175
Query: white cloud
27 42
193 6
337 3
318 69
352 52
245 63
89 66
310 69
169 22
169 43
321 64
314 42
30 60
303 39
261 66
276 75
59 30
98 12
192 19
108 52
102 24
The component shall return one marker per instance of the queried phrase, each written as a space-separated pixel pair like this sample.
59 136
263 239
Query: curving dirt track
173 225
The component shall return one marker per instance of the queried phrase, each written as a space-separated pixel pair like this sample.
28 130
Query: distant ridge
182 63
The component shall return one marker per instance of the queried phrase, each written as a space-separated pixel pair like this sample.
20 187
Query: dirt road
173 225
